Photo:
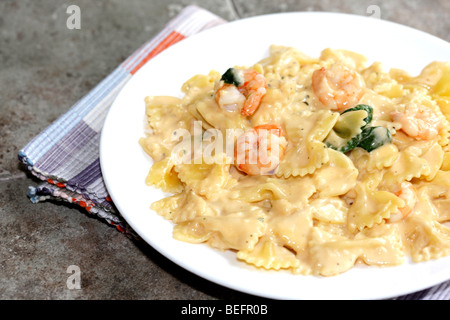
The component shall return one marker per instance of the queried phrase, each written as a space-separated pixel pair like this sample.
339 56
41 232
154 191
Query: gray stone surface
44 69
40 241
430 16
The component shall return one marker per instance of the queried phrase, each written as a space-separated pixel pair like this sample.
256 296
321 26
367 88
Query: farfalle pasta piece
335 229
434 157
162 114
269 255
437 196
311 125
206 179
351 59
381 82
427 238
302 159
371 207
253 189
389 252
305 151
236 231
371 166
338 168
446 161
441 90
441 178
329 210
333 254
292 230
183 207
212 117
162 176
444 105
427 79
407 166
199 85
443 207
376 160
286 61
256 188
152 146
418 160
442 86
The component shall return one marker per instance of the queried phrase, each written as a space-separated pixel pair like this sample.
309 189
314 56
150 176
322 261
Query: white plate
125 165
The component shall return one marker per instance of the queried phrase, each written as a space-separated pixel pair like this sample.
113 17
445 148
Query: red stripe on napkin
171 39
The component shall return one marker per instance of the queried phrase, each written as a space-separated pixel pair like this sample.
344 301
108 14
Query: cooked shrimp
241 89
408 195
338 88
259 150
418 122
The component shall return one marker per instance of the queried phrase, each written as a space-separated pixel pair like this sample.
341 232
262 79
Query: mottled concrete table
44 69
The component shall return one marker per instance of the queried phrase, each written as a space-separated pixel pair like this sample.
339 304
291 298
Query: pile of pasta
322 211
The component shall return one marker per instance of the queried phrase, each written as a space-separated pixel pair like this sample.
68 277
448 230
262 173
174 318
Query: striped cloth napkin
65 156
